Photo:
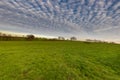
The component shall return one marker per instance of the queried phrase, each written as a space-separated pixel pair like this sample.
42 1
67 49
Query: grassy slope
55 60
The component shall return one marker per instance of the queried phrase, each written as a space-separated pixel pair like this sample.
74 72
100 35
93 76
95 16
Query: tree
0 34
61 38
73 38
30 37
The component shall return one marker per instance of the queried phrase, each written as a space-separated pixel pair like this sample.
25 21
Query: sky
94 19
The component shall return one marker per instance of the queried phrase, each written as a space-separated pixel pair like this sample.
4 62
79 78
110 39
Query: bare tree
73 38
61 38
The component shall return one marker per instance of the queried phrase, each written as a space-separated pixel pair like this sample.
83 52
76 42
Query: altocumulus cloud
80 18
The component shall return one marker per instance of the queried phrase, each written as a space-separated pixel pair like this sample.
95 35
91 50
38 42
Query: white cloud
24 14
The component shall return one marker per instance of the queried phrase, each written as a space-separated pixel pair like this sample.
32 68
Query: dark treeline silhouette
30 37
9 37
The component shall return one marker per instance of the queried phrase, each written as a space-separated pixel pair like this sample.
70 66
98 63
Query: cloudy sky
99 19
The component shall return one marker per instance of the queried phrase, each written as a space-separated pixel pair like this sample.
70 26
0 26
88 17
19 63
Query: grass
59 60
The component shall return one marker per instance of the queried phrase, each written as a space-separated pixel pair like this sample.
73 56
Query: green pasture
59 60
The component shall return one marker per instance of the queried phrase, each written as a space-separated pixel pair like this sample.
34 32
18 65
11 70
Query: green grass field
59 60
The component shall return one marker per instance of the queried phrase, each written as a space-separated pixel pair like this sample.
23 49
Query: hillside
59 60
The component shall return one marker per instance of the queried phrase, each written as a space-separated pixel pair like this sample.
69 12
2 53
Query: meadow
59 60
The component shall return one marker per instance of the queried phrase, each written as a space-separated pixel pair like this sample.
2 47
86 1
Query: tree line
30 37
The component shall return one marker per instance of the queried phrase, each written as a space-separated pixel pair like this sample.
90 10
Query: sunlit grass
59 60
